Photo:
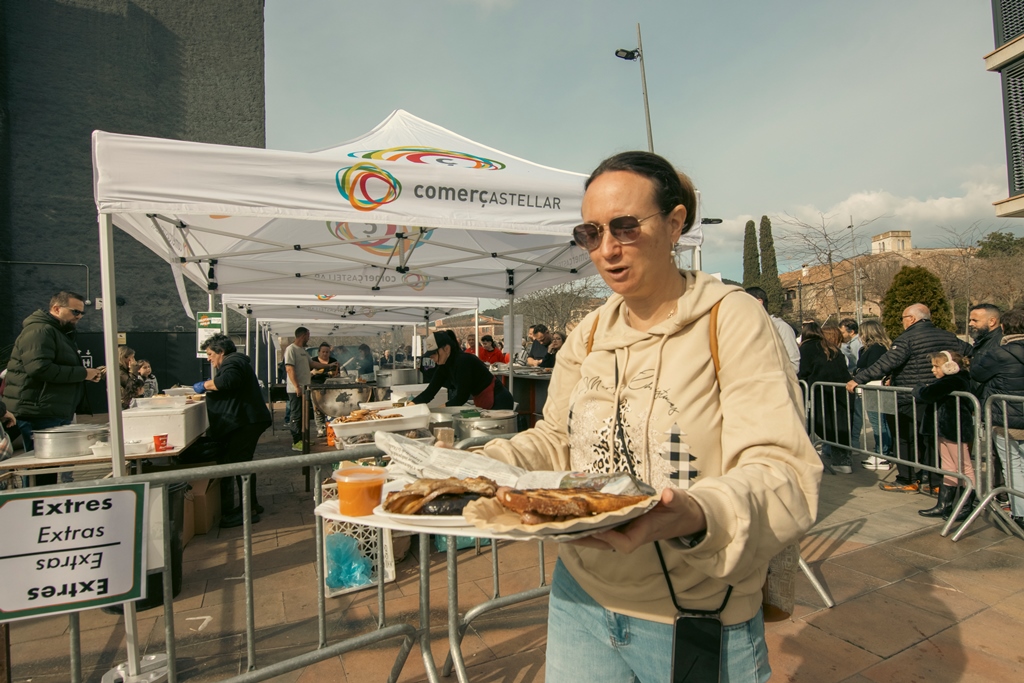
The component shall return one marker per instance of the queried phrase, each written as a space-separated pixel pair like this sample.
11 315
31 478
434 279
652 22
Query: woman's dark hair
219 343
1013 321
486 338
671 188
365 350
811 331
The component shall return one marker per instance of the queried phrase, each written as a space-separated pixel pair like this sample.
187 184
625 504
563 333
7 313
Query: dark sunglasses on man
625 229
75 312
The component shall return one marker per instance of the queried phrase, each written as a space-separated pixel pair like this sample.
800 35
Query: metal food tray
413 417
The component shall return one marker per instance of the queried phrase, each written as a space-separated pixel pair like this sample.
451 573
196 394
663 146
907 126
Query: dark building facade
185 69
1007 59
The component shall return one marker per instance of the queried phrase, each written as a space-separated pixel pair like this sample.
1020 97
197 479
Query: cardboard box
188 527
206 503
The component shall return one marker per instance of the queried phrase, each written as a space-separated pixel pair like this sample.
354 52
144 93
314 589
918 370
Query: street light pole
643 85
856 276
633 56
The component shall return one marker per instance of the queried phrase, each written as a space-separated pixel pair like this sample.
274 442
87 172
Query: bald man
909 365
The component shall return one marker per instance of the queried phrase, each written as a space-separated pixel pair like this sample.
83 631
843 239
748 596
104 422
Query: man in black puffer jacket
45 376
1001 372
909 365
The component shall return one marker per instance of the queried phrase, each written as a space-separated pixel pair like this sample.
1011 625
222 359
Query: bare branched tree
561 307
826 243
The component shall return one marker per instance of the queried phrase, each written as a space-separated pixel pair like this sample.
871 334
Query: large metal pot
67 441
336 398
389 377
493 423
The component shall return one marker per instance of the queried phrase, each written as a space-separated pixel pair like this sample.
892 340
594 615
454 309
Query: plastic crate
367 537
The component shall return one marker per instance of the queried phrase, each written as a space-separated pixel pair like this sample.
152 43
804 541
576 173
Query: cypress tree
751 260
915 286
770 282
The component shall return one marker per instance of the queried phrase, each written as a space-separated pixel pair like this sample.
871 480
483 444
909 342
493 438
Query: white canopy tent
408 209
277 316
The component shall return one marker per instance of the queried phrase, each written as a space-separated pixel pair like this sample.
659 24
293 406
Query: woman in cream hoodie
635 390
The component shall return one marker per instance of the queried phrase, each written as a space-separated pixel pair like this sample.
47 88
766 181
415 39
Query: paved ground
911 606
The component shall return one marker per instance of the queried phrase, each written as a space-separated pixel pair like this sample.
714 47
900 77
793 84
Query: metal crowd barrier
323 650
997 435
825 395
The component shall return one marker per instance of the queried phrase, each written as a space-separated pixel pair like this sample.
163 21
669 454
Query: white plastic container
180 391
130 447
412 417
156 402
181 425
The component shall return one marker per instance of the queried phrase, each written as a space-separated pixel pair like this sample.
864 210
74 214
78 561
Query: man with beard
983 324
45 376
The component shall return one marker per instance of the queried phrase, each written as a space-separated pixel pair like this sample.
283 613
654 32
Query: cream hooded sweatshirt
735 442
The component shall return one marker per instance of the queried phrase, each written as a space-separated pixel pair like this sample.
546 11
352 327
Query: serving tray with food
469 494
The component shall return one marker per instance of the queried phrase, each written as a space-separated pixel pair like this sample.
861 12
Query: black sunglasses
626 229
75 312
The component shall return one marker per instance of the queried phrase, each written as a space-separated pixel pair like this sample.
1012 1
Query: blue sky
877 109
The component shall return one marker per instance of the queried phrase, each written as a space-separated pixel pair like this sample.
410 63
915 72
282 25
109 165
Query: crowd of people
927 423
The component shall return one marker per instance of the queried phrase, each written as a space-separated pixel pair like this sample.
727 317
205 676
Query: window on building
1009 20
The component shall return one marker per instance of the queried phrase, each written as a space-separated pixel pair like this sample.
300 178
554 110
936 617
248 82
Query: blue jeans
856 421
589 643
1011 452
881 431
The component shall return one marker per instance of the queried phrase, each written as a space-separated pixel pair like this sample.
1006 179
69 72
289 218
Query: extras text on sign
71 549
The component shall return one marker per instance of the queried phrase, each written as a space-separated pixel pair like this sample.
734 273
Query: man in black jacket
45 376
909 365
983 324
1001 372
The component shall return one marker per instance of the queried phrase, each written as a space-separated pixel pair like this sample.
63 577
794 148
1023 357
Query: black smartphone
696 649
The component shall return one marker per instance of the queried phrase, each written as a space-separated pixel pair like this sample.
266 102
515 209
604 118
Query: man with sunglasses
45 376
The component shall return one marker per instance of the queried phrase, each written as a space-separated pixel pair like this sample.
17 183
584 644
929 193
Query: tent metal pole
256 351
109 288
110 342
476 328
508 333
210 301
248 351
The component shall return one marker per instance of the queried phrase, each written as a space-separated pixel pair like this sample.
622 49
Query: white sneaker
843 469
876 463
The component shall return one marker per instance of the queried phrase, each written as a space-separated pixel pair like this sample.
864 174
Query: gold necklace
629 316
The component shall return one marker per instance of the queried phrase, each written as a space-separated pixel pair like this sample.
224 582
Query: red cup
160 442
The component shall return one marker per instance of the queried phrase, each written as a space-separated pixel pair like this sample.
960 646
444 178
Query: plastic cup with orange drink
359 489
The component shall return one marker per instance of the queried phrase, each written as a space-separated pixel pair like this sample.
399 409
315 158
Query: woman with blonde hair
876 342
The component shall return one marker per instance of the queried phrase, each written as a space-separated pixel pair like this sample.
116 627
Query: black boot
943 503
256 507
966 510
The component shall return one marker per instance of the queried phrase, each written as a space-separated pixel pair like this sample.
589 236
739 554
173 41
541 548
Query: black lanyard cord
672 591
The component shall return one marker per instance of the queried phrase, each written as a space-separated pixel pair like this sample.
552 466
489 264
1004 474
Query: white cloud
925 218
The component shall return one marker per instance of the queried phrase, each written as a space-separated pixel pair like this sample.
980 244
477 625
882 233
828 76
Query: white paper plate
423 520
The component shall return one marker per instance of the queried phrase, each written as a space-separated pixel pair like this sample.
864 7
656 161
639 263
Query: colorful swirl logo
359 184
325 297
373 242
427 155
416 281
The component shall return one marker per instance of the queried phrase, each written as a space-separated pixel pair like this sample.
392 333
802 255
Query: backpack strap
713 337
593 331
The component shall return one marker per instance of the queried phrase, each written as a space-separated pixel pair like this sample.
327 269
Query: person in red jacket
489 352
